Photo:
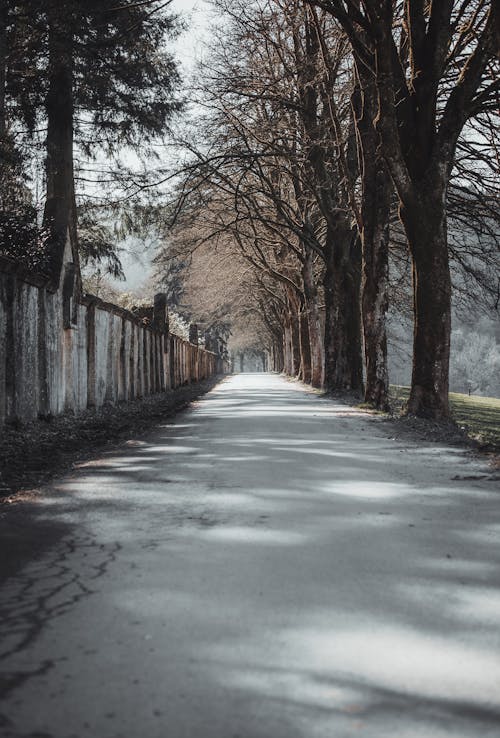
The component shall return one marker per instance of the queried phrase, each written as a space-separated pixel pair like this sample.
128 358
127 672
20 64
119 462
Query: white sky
136 260
196 13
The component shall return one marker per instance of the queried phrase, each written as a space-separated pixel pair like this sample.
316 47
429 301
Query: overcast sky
136 259
196 14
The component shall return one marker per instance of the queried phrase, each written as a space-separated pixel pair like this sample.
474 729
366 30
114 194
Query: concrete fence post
91 357
193 334
160 312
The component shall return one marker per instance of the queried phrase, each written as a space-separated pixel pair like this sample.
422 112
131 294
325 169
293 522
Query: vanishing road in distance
267 564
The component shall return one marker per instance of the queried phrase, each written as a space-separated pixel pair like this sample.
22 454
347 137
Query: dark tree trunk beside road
60 203
425 224
317 354
305 346
376 197
294 320
432 68
342 284
3 69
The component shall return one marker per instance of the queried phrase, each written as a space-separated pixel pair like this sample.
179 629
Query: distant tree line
343 159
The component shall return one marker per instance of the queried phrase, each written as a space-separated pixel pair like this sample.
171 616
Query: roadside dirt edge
32 454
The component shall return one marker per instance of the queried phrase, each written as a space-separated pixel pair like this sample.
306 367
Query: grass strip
479 416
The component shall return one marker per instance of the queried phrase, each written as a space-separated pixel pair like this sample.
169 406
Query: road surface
268 564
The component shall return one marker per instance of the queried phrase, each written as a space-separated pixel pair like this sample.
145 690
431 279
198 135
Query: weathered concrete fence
60 354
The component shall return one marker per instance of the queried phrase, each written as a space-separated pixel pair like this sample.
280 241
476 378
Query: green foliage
97 243
125 79
11 172
172 278
479 415
124 89
22 239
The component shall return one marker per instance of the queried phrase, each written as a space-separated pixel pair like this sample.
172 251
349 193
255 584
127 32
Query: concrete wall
51 363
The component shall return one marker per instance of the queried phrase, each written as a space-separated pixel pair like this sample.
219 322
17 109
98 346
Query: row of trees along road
85 80
331 139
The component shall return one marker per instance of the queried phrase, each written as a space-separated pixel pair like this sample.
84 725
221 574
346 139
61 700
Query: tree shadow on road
325 571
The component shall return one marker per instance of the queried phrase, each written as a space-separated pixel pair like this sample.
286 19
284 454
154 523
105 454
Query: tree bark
59 217
305 347
9 197
288 362
425 226
3 69
342 283
376 195
295 344
286 348
278 363
317 352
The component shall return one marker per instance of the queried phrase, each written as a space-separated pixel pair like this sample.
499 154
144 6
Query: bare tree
433 66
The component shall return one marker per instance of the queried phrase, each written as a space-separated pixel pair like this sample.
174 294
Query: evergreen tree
99 75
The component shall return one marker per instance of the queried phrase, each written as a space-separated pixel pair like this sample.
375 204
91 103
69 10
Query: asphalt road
270 564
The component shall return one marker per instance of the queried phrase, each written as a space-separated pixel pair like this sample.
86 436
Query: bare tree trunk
291 335
278 358
317 351
287 348
305 347
7 150
59 206
295 344
342 284
375 304
425 226
377 190
3 69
